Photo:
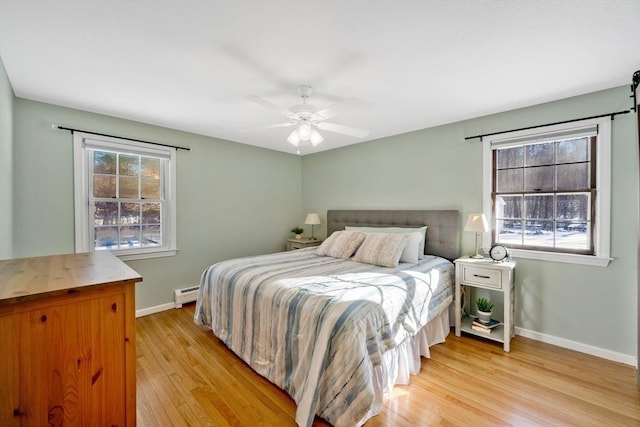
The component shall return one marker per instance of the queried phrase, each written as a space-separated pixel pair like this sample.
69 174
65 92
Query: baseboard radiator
185 295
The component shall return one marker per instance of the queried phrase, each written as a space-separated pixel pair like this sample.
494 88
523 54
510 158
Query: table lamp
478 224
312 219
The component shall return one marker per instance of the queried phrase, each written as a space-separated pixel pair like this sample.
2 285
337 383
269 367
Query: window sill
132 256
596 261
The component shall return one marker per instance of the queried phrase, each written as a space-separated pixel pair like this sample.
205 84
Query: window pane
509 207
129 213
129 187
509 180
539 207
151 213
538 233
572 235
150 188
539 154
510 157
150 167
151 235
509 232
573 206
106 238
573 176
105 213
129 165
104 186
104 162
574 150
539 178
129 237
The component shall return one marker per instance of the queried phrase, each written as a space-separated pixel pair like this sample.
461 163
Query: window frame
602 202
83 145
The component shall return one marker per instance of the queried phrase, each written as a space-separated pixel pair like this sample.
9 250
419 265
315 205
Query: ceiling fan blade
346 130
338 108
279 125
269 105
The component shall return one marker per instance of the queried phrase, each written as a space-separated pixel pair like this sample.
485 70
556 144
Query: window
547 191
124 197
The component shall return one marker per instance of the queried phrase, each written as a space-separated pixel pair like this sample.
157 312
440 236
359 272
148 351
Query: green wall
232 199
437 169
6 165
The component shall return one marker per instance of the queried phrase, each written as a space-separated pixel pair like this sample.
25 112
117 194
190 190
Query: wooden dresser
67 341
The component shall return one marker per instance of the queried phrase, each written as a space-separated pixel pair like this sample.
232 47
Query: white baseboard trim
155 309
577 346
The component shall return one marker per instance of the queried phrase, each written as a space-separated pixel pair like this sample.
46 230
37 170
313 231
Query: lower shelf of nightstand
497 333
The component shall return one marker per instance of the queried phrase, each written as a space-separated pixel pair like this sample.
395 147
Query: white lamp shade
312 219
304 131
316 138
477 223
294 138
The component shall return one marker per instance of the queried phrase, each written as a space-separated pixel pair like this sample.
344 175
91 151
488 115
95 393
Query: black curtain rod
612 115
72 130
635 82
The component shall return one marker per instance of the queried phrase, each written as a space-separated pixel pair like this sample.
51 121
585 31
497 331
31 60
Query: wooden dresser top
39 277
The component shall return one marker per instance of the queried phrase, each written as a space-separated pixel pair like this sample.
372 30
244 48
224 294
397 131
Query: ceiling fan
308 118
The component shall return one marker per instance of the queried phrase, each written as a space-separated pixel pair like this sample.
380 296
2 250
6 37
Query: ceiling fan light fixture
307 119
294 138
304 131
316 138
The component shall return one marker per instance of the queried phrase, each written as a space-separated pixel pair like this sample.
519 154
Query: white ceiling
190 65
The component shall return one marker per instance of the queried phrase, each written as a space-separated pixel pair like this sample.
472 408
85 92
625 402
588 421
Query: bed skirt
404 360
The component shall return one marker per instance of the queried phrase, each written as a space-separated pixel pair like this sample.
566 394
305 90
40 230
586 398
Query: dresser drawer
484 277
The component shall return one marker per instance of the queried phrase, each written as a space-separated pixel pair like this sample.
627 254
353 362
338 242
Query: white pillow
411 252
383 249
341 244
421 230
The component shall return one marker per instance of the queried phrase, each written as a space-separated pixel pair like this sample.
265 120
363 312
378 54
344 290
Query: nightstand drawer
485 277
293 244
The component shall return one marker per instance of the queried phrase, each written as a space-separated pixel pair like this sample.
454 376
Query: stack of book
478 325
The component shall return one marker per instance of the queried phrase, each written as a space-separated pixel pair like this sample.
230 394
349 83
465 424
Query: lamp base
312 233
477 254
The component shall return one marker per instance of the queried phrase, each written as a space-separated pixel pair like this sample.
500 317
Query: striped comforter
316 326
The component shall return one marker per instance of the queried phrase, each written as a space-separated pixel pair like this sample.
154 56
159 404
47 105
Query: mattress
317 326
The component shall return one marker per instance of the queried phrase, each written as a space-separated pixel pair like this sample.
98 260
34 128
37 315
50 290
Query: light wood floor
187 377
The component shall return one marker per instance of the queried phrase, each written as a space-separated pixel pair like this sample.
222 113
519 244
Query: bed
337 334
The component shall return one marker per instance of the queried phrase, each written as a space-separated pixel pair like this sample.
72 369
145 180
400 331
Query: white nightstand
302 243
487 274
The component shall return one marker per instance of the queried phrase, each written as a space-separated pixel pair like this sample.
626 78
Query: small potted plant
484 309
298 232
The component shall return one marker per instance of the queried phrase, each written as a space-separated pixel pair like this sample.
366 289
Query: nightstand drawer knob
481 276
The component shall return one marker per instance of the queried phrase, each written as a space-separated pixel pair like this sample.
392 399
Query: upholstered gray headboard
443 226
